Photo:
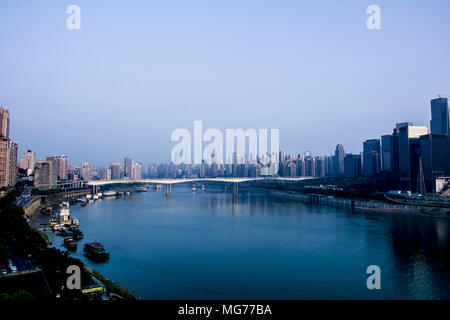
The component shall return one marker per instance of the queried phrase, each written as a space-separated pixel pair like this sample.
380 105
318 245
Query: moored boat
70 244
95 251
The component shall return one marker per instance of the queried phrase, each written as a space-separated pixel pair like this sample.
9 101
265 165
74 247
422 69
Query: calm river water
211 245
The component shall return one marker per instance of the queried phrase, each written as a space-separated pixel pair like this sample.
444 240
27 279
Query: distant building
127 166
116 171
405 155
12 163
386 153
4 164
329 165
440 117
104 173
8 151
4 123
45 175
292 169
435 159
301 168
63 167
320 167
85 171
352 165
371 158
136 171
28 161
339 161
310 167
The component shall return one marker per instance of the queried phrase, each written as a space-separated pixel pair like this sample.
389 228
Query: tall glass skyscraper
440 123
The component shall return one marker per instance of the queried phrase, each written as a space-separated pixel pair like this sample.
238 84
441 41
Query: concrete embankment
361 205
111 286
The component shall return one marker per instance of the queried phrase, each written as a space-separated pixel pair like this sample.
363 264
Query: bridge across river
169 182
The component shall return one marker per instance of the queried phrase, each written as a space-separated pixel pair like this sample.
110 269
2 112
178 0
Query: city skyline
178 63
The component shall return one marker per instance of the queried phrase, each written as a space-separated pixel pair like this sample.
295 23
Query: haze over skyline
136 71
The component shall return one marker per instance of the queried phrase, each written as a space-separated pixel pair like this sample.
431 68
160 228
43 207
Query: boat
77 235
109 194
64 214
95 252
54 220
70 244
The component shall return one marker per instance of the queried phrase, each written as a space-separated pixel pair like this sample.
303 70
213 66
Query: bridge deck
176 181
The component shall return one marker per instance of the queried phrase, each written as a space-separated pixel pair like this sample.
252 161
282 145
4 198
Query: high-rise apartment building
63 167
136 171
127 166
8 152
4 163
4 123
116 171
12 163
85 171
28 161
45 174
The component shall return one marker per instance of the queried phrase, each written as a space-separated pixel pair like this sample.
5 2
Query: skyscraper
386 153
371 157
4 164
45 174
28 160
12 163
435 159
116 171
85 171
127 165
136 171
406 154
339 155
352 165
320 167
440 116
4 122
63 167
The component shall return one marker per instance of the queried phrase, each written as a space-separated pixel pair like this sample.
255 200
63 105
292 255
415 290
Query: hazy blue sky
137 70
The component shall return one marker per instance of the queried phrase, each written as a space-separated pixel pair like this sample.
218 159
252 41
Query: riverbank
35 212
111 286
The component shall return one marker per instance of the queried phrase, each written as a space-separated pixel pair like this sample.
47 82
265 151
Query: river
213 245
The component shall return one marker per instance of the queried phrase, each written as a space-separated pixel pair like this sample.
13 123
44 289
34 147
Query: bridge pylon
169 190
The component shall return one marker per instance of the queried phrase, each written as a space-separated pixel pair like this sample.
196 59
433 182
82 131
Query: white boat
109 193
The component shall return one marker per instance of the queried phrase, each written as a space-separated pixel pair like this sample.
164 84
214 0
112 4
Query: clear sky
137 70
